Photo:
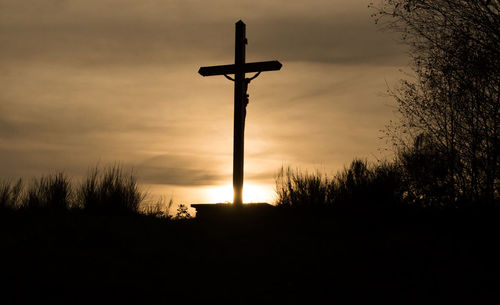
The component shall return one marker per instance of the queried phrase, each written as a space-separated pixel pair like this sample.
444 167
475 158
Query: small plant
182 212
159 209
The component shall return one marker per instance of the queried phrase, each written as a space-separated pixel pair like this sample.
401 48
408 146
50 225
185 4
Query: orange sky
88 82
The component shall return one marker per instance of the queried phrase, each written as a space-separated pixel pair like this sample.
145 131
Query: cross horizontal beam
262 66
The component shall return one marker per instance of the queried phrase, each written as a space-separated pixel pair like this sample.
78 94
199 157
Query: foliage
295 188
182 212
110 192
158 209
52 192
357 185
425 174
449 128
362 184
10 194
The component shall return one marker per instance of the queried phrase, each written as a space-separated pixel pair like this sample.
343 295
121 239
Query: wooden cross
240 100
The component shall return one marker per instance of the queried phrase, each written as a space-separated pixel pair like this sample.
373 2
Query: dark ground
277 257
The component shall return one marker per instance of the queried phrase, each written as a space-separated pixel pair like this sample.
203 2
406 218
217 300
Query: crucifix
239 68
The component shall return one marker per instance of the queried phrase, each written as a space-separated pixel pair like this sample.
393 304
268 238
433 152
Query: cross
239 68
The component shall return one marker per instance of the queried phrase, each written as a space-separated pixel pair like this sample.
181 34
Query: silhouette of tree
454 100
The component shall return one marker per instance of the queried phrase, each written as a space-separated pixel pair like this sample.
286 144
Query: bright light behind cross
251 193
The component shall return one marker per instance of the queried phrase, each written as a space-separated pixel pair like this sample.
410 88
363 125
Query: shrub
297 189
352 183
357 185
182 212
110 192
427 175
49 192
379 184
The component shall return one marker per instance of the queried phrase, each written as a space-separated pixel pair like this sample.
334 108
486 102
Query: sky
103 82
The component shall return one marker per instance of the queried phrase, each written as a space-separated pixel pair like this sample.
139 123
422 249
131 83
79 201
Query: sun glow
251 193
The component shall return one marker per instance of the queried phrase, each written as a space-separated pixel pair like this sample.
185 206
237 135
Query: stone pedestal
228 210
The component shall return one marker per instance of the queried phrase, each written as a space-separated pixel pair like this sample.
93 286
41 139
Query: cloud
343 41
85 33
181 170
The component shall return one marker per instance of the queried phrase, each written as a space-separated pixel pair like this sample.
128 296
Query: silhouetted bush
427 176
294 188
182 212
110 192
10 194
49 192
387 184
352 183
358 185
364 185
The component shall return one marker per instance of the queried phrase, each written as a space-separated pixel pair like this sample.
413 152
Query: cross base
217 211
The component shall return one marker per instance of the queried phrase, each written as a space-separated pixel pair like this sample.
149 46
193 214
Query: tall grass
10 194
296 188
107 191
357 185
52 192
110 192
160 208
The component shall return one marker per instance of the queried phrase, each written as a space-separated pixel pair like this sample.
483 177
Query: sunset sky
88 82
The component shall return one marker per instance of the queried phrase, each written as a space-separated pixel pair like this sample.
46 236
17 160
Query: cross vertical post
239 112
